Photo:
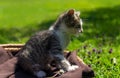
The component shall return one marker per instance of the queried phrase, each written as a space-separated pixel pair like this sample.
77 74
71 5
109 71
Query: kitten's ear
71 12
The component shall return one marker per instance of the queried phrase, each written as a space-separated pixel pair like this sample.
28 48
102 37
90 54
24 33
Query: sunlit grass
23 12
98 44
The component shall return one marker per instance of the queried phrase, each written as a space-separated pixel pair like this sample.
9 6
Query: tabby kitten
46 46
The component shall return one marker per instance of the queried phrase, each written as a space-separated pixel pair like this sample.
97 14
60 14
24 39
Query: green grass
19 19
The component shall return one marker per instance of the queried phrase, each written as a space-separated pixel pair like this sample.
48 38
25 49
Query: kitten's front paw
41 74
73 67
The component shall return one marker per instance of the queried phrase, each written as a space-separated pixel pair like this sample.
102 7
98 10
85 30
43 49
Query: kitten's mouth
80 30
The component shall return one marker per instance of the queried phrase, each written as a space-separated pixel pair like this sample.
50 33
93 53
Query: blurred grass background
97 45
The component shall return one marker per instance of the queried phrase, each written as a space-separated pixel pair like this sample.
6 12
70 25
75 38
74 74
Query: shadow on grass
103 23
15 34
105 20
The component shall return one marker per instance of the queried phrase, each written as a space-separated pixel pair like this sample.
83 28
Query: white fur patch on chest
62 33
64 39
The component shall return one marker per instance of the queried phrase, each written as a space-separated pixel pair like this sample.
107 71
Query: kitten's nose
79 27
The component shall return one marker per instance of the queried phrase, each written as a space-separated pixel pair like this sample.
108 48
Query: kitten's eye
72 23
77 26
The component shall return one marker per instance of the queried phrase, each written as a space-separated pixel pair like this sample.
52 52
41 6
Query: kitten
48 45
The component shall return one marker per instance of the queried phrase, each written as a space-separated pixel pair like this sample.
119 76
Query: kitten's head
72 20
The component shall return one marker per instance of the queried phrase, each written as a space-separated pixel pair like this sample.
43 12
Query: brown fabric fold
9 67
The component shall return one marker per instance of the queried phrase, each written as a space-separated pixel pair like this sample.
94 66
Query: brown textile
10 69
4 56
